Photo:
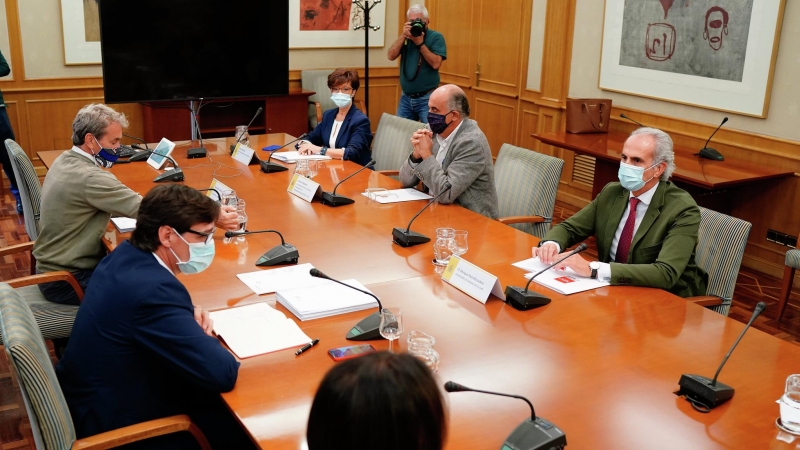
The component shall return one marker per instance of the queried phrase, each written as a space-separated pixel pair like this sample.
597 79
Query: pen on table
306 347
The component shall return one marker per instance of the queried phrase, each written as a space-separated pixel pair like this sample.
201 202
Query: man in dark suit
646 227
139 349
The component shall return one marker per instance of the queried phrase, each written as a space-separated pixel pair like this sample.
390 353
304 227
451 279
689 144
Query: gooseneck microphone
369 327
137 139
174 174
408 238
626 117
215 190
534 433
705 394
279 255
331 199
271 167
522 299
708 152
260 108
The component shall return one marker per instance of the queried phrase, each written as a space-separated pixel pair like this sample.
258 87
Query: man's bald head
454 97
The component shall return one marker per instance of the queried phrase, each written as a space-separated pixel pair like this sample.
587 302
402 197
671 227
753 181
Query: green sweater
78 199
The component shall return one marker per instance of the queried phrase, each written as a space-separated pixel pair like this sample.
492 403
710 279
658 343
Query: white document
303 187
257 329
267 281
243 154
397 195
472 280
562 281
124 224
326 299
294 156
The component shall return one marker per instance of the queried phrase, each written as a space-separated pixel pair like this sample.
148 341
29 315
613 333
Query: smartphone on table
351 351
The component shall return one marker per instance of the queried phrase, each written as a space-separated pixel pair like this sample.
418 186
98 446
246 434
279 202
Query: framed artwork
329 23
716 54
81 25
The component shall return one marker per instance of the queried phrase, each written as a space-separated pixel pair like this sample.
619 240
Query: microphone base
699 389
710 153
330 199
405 238
523 301
139 156
197 152
366 330
170 175
271 167
280 255
538 434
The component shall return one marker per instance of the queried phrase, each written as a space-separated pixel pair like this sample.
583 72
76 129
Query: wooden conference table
602 365
703 178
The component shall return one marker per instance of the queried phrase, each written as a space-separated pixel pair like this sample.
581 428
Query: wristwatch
323 150
595 266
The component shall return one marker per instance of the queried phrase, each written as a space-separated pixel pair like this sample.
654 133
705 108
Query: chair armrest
524 219
140 431
705 300
318 108
388 173
16 248
61 275
360 106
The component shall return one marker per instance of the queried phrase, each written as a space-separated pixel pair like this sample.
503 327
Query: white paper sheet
326 299
291 157
267 281
565 282
397 195
124 224
257 329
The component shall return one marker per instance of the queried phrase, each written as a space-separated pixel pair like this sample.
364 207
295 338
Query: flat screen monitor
157 50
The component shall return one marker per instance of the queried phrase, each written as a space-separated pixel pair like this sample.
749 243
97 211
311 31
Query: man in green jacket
646 227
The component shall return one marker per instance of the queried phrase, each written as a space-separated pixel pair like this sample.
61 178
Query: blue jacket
355 135
136 352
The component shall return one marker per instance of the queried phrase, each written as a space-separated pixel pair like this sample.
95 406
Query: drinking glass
421 346
313 168
391 325
229 198
242 217
241 132
790 404
443 247
301 168
460 243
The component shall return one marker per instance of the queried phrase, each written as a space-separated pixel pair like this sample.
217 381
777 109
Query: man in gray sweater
458 155
79 198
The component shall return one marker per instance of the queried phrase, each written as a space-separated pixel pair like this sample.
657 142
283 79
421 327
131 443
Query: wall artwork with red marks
706 38
321 15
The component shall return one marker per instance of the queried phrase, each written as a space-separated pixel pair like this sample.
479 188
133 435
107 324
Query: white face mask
200 255
341 99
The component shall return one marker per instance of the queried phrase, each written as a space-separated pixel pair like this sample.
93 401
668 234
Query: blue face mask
630 177
438 122
200 255
341 99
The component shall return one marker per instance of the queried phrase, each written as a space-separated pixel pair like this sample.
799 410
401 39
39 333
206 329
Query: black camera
418 27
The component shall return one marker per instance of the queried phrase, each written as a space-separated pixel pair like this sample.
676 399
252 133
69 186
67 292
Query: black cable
697 405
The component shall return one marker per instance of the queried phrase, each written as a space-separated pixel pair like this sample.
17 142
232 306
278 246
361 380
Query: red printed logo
565 279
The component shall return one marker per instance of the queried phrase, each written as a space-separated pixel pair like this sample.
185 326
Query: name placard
243 154
303 187
219 189
472 280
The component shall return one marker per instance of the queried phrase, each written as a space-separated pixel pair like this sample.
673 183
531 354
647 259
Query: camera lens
417 27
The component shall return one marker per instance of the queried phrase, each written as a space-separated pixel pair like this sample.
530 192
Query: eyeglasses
209 236
344 90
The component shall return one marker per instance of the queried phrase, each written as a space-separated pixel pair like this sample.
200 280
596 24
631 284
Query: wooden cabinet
219 118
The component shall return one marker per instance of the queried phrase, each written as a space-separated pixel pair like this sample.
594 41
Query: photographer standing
422 51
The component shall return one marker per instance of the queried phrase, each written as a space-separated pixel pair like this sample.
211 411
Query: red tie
626 237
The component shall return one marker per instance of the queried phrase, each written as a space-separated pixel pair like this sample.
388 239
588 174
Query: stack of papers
326 299
124 224
291 157
268 281
564 282
257 329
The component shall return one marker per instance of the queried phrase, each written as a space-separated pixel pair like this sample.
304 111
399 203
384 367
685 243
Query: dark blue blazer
355 135
136 352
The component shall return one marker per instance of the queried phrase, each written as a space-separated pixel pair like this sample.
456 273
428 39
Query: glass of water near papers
460 244
242 218
391 326
306 168
242 135
229 198
444 246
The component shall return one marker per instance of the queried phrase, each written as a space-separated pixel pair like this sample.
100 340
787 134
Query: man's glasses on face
209 236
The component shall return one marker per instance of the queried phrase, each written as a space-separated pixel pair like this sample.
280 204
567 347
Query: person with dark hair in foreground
139 349
381 400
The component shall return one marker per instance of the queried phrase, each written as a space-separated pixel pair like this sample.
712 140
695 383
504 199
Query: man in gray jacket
458 155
